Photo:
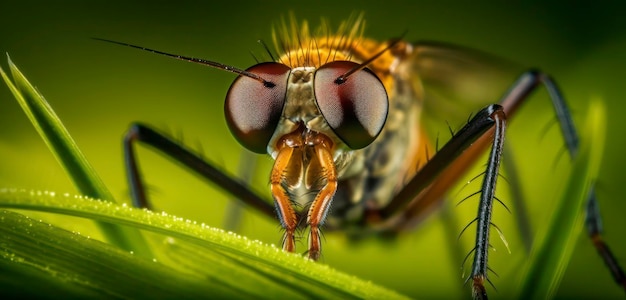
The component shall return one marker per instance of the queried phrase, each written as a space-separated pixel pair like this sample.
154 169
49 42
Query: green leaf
549 260
67 153
198 261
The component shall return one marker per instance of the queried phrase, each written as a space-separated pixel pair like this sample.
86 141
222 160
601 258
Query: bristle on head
299 47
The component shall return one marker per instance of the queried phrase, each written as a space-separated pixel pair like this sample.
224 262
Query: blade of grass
67 153
74 266
228 258
549 260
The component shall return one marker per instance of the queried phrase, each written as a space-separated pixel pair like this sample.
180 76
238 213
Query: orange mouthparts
304 156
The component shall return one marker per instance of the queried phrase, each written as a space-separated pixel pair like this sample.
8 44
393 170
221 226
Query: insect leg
594 229
490 122
444 165
286 214
141 133
526 83
481 250
423 192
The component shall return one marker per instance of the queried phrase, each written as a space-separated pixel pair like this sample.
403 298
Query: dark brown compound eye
253 108
355 108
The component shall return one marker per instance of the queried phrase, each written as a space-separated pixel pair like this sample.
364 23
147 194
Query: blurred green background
97 89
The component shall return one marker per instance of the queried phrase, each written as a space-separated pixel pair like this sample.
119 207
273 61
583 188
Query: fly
341 115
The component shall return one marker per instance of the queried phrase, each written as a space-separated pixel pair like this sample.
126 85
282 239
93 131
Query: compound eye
253 108
355 108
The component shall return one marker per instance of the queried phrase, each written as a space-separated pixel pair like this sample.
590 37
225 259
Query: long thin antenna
341 79
197 61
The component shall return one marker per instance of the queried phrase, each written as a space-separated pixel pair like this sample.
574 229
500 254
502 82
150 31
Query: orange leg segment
286 213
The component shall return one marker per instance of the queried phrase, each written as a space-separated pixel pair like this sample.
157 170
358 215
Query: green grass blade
238 265
550 259
65 150
59 262
56 137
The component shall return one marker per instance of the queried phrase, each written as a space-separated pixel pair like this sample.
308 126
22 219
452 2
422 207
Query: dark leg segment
177 152
594 229
481 250
430 184
491 119
593 218
462 140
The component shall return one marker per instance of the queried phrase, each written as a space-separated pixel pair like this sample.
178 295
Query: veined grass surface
200 261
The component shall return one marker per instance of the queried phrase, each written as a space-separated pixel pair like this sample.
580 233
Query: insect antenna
341 79
197 61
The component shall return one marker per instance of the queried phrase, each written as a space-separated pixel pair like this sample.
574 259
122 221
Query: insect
340 115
